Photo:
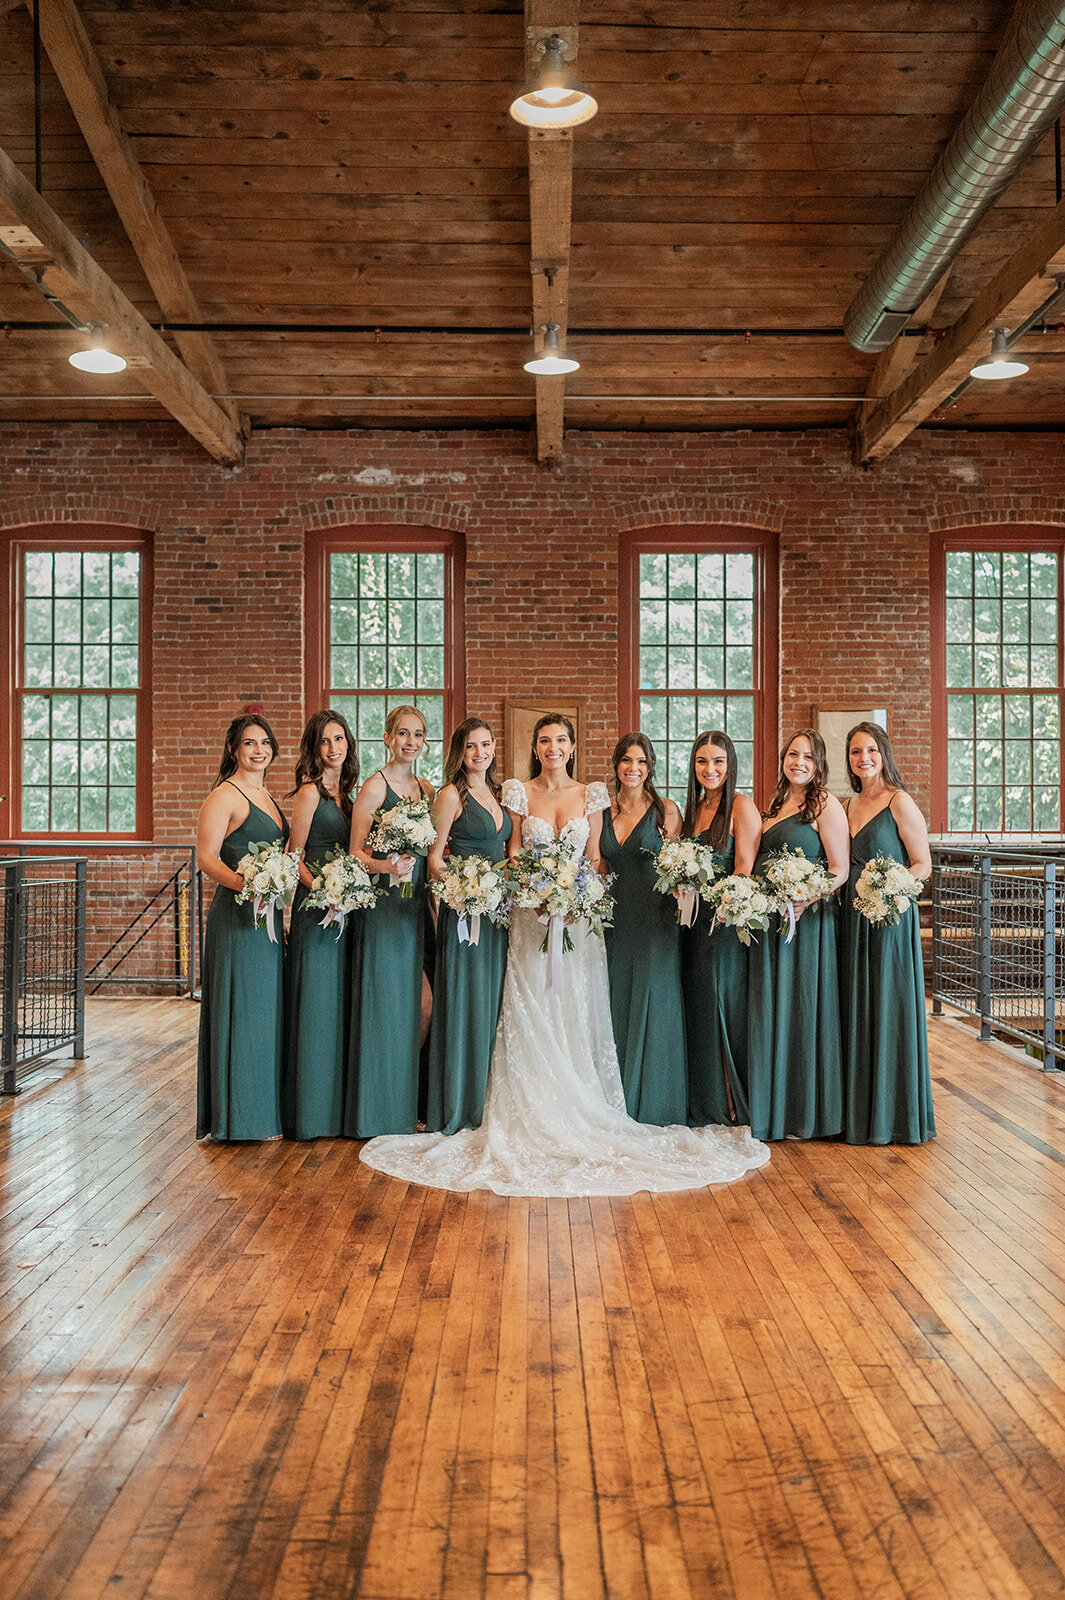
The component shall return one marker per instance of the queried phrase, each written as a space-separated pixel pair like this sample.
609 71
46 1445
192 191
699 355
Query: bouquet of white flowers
342 886
885 890
405 829
793 879
686 868
270 874
739 902
560 887
474 888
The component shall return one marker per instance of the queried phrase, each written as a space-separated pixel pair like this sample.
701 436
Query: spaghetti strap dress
467 990
795 1072
714 968
317 996
385 1049
887 1086
239 1056
643 964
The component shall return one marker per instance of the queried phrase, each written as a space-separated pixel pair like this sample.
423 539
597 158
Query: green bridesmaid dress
239 1087
317 997
795 1062
643 961
714 974
468 989
384 1055
888 1090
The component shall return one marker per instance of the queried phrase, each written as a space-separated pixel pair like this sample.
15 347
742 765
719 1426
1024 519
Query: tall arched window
997 676
383 629
78 730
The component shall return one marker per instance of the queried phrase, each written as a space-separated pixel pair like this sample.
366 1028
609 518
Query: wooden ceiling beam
42 244
550 219
81 77
1017 289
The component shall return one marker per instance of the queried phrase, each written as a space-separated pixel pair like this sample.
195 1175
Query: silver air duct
1016 105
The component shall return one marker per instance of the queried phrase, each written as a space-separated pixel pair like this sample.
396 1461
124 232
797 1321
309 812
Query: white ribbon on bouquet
470 928
265 908
688 903
556 934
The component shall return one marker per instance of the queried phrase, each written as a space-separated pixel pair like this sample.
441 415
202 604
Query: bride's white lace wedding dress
554 1117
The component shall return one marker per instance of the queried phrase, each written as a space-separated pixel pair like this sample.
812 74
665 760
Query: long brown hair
309 764
455 766
721 822
624 744
234 734
892 775
552 719
816 789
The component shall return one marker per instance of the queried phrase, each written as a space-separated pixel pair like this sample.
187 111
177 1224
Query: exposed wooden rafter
1017 289
76 66
550 214
42 244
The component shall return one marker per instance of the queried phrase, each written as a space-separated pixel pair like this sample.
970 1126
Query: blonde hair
394 717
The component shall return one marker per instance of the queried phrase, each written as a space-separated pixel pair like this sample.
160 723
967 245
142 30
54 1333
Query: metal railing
42 960
998 941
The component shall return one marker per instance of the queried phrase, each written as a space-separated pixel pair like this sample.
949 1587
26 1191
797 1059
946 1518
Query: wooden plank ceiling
335 197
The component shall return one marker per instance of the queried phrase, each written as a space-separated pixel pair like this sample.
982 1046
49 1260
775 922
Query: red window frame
1028 536
71 537
708 538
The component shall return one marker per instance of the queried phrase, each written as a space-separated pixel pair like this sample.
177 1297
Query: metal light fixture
1001 364
551 101
97 358
552 360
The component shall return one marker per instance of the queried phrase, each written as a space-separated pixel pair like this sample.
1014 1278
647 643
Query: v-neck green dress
795 1071
317 996
385 1050
643 962
467 990
714 967
887 1086
239 1058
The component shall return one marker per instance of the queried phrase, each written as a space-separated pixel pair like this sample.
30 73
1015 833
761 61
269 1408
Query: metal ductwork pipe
1018 102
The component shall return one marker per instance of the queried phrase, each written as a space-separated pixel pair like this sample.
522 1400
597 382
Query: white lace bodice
573 835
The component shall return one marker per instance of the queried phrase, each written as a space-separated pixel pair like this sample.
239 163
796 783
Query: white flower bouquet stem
793 880
739 902
270 874
885 890
405 829
342 886
561 888
474 888
685 868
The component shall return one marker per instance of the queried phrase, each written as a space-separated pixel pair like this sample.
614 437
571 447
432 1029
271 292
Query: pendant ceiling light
551 101
97 358
1001 364
552 360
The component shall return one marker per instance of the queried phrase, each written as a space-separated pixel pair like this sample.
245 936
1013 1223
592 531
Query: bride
554 1116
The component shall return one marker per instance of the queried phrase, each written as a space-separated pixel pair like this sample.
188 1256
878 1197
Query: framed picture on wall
521 713
834 723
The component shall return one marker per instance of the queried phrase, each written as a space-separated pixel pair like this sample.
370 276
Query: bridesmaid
795 1072
392 998
468 986
239 1088
888 1096
643 946
317 963
714 963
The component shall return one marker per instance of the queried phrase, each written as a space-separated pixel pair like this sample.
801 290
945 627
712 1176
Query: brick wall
541 556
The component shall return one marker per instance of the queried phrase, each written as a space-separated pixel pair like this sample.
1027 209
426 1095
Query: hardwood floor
262 1371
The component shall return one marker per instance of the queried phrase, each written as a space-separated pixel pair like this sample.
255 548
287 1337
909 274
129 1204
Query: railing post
1050 937
194 921
937 935
12 961
80 919
984 978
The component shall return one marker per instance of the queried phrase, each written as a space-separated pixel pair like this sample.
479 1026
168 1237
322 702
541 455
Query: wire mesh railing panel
956 933
42 960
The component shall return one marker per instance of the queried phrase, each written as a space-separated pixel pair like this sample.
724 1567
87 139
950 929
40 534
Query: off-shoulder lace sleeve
514 797
596 798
